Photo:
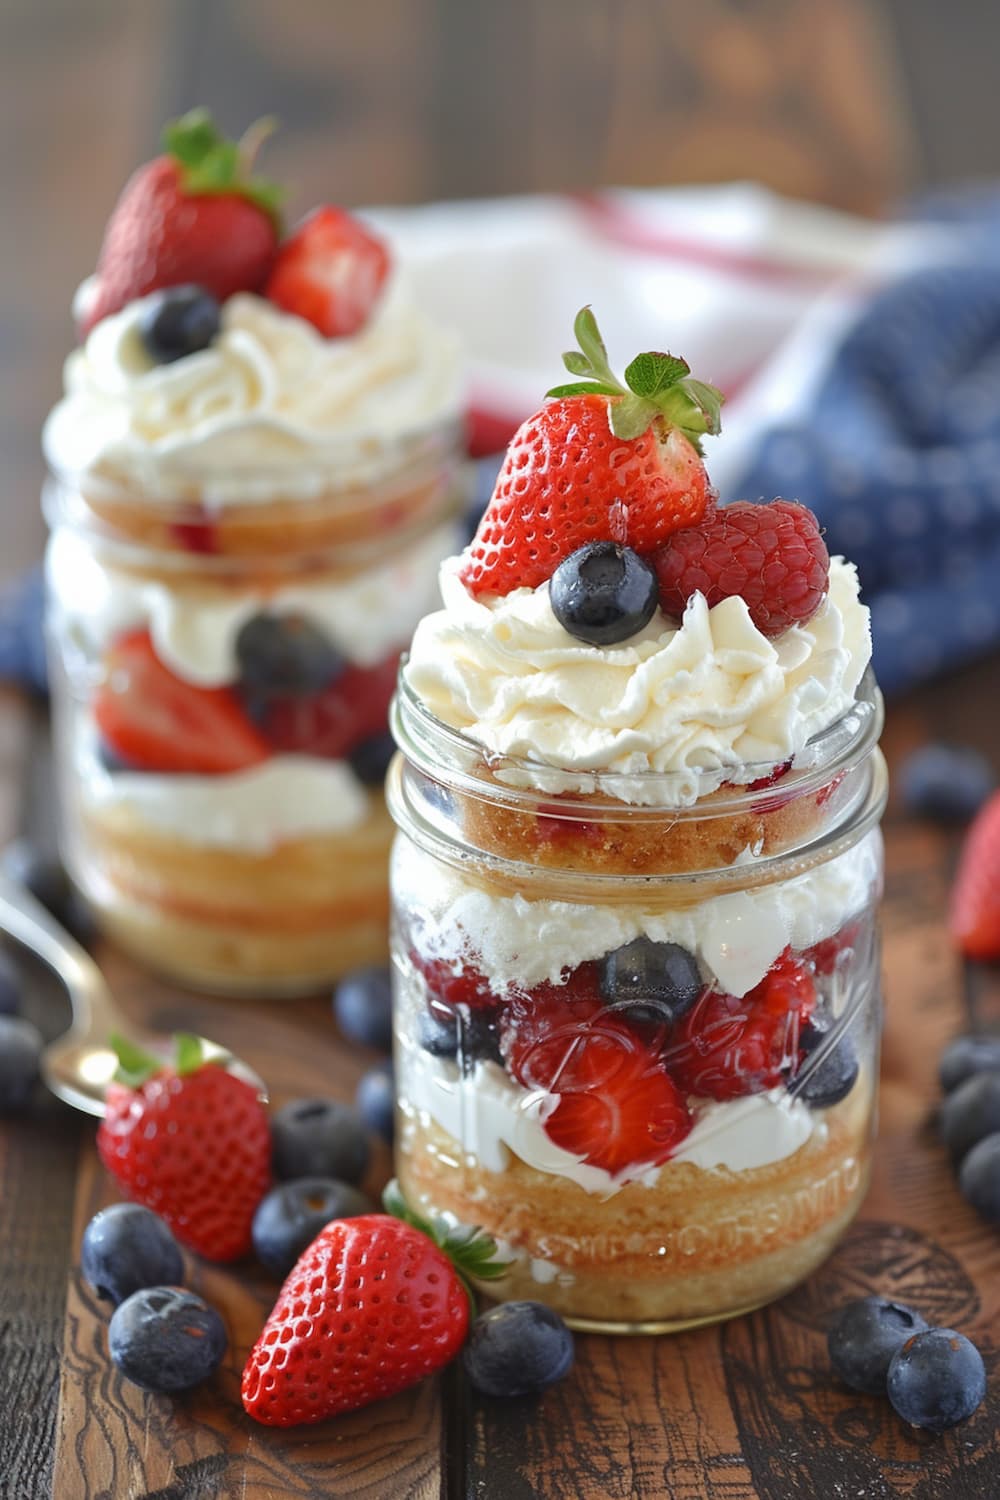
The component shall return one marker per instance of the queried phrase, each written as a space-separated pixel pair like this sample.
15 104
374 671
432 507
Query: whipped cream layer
194 626
491 1116
270 409
736 938
253 812
695 702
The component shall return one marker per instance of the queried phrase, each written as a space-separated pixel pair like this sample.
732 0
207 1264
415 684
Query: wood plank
116 1442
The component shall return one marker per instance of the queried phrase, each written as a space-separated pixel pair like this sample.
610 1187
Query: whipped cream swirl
695 702
271 408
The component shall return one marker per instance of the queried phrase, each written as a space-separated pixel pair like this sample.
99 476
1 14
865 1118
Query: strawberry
975 901
352 709
372 1306
331 272
773 556
194 215
824 955
155 721
727 1046
600 461
617 1107
190 1141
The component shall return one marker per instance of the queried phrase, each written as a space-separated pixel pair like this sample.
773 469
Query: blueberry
517 1349
44 876
370 760
970 1112
948 783
603 593
10 986
835 1075
292 1215
375 1100
651 982
470 1036
285 655
20 1049
362 1005
318 1138
967 1055
127 1247
937 1379
179 321
863 1338
979 1177
166 1339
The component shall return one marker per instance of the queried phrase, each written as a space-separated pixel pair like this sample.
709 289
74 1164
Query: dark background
395 101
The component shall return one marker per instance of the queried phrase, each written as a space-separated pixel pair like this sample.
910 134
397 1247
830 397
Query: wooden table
747 1409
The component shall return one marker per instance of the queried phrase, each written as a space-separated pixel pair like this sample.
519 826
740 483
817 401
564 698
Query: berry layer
270 411
696 701
514 941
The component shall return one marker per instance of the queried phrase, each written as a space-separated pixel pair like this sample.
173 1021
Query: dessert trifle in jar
256 470
636 878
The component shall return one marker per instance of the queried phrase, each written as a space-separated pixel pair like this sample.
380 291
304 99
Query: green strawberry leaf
631 416
212 164
588 336
651 373
577 363
135 1066
583 388
191 138
189 1054
709 402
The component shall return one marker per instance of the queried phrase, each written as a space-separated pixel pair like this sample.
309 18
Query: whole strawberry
975 901
190 1141
373 1305
773 556
600 461
193 216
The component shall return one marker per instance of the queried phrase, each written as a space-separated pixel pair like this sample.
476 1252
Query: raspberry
772 556
450 987
728 1046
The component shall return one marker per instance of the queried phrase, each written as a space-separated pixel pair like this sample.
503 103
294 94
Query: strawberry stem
656 386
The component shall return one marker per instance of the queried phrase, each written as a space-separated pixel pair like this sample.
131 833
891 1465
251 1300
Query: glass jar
230 835
636 1042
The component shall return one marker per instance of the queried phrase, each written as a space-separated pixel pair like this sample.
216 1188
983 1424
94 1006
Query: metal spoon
79 1065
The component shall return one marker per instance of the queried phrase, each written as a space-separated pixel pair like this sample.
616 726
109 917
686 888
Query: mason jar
637 1042
221 800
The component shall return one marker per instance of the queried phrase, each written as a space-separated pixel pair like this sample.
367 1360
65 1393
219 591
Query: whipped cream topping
736 937
254 811
271 408
194 628
694 702
491 1116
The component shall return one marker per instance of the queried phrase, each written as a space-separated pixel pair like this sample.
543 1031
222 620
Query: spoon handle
26 920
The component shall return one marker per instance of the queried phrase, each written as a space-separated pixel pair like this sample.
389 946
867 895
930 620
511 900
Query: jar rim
444 754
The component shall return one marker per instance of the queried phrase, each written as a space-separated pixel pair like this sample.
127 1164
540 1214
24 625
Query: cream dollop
270 408
695 701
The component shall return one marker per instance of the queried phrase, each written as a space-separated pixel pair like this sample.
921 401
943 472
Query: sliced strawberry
975 902
330 272
617 1106
330 724
156 721
823 955
632 1116
727 1046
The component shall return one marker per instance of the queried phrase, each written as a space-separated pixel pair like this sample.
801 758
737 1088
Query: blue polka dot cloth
899 456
